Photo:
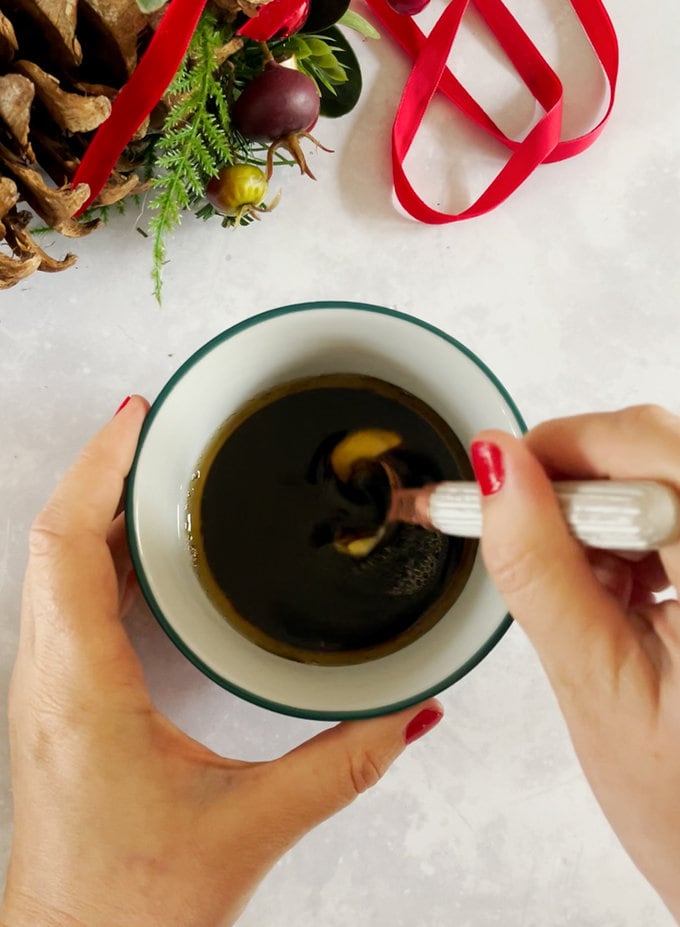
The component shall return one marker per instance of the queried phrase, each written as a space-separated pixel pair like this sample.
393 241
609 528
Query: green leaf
357 22
326 62
150 6
319 77
345 95
317 46
300 47
336 74
206 212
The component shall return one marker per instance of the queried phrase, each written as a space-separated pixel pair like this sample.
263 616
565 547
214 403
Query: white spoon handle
609 514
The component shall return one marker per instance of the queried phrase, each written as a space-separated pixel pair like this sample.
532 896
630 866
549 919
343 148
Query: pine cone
234 7
61 64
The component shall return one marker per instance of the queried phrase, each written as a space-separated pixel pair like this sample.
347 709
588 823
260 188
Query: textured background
569 292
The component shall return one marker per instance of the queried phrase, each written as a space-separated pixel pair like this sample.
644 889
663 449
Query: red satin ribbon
541 145
148 83
277 17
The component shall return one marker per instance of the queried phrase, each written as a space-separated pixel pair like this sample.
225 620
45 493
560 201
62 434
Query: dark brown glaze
266 507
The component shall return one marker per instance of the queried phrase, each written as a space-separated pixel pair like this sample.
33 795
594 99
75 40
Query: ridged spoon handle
612 515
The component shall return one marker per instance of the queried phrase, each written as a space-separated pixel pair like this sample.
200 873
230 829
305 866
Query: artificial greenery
195 142
150 6
355 21
188 138
196 139
316 57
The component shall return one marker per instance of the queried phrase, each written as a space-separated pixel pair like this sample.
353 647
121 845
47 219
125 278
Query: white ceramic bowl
270 349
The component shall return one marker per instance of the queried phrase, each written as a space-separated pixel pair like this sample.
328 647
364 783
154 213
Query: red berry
279 102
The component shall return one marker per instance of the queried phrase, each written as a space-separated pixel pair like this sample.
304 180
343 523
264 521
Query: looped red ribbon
541 145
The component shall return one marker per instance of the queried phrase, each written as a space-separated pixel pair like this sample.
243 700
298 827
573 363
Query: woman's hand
611 653
120 818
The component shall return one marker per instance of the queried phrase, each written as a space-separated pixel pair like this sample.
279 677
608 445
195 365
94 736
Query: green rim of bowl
280 707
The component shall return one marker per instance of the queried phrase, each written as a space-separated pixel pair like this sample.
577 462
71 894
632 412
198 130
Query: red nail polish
122 405
421 724
487 462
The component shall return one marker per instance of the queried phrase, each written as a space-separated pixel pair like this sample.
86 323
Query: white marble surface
569 292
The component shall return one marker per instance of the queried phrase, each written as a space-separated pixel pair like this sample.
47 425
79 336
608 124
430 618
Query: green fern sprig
196 141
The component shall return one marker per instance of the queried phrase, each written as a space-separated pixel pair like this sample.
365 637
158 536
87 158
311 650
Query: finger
642 442
130 593
664 618
579 630
116 539
117 542
650 572
632 582
649 579
71 582
613 574
641 596
86 499
314 781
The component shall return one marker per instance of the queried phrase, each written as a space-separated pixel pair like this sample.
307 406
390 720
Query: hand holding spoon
626 515
622 515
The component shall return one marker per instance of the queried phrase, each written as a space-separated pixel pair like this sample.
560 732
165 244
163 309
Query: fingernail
421 724
487 462
122 405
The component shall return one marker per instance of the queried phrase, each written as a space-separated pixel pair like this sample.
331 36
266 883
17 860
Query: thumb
542 572
326 773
